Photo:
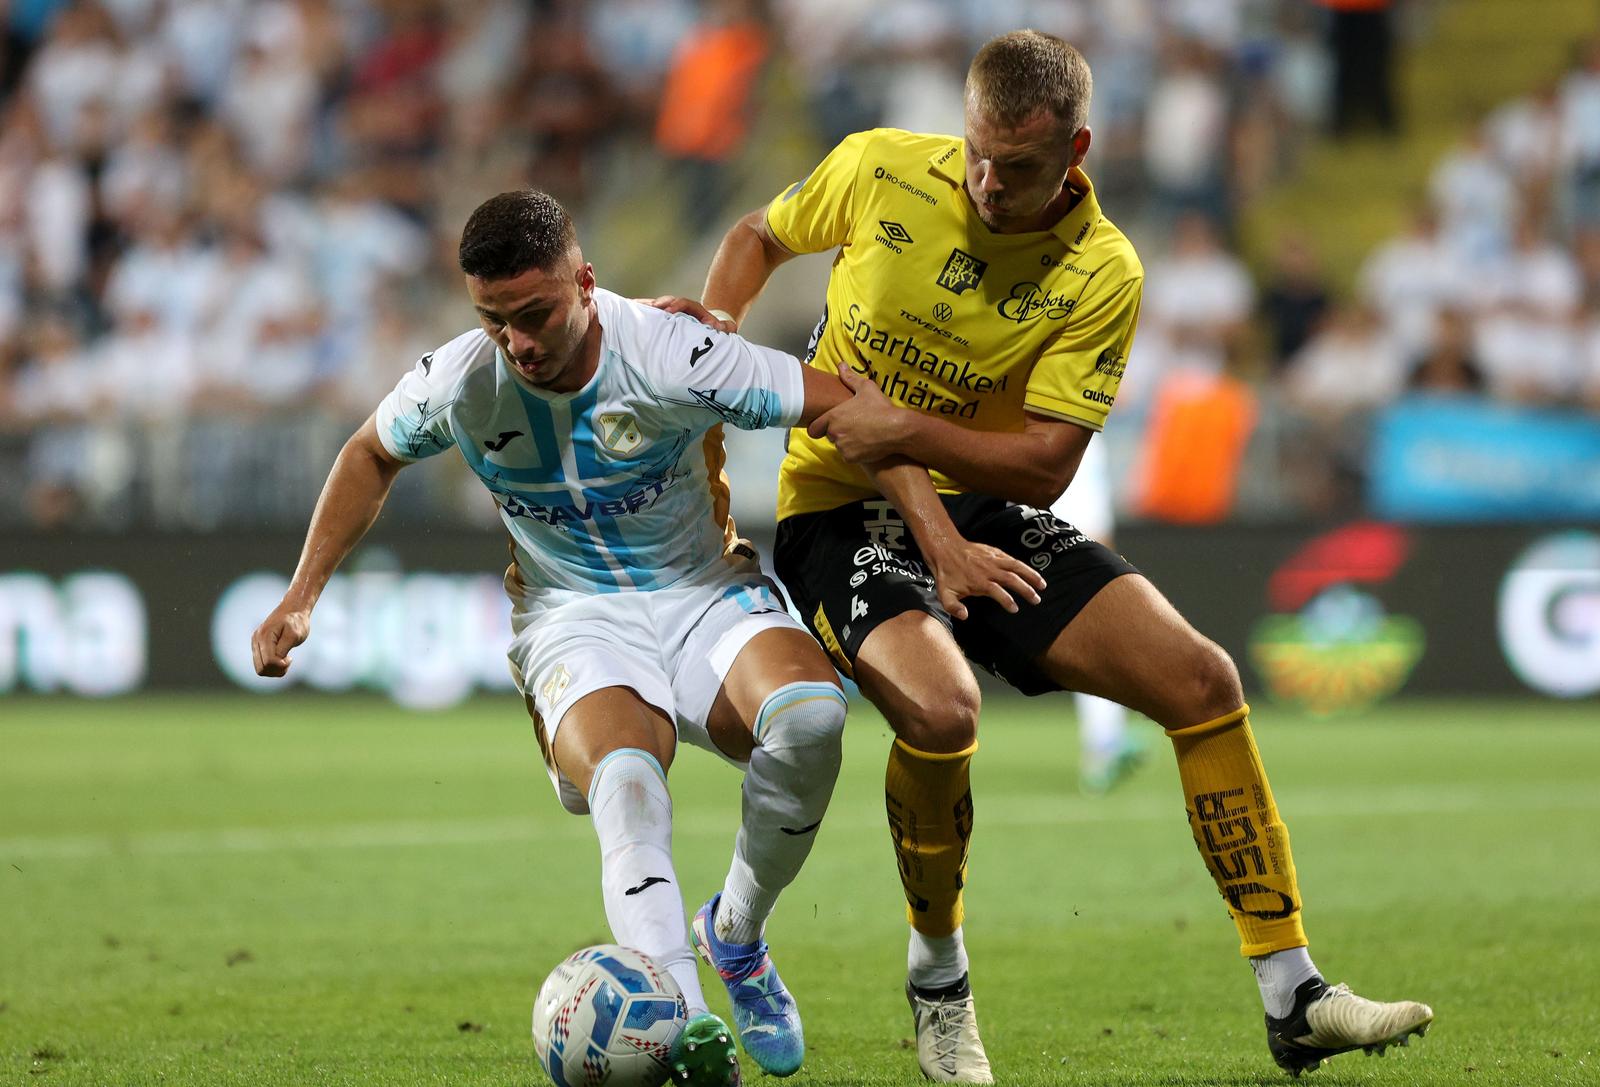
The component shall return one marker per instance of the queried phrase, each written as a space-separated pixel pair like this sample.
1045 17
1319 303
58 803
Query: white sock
936 962
1101 724
632 813
1279 975
798 735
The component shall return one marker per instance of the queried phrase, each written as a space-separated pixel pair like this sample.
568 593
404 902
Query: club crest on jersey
619 433
961 272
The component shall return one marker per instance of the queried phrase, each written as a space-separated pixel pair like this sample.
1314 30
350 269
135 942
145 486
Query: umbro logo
646 884
499 443
892 236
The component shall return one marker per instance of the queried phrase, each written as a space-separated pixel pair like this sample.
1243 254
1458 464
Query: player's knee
1214 680
943 722
803 722
628 795
1220 678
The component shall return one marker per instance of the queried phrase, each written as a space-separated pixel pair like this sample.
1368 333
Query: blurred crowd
1493 290
226 226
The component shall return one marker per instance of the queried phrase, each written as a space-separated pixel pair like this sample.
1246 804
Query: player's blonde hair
1016 75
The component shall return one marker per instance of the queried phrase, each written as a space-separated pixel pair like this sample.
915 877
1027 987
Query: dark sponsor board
1330 617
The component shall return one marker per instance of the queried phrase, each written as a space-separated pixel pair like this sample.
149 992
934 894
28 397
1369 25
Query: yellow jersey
945 315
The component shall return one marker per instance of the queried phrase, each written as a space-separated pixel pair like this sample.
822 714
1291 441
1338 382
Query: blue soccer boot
764 1013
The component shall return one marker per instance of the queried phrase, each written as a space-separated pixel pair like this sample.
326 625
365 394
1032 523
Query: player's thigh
911 668
576 661
859 581
605 721
729 642
769 661
1076 570
1129 644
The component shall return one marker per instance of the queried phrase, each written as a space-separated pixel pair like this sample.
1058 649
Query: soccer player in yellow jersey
981 306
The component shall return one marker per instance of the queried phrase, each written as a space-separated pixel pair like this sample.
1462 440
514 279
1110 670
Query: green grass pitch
295 891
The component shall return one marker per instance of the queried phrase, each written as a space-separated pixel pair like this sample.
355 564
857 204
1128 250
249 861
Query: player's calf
798 746
632 814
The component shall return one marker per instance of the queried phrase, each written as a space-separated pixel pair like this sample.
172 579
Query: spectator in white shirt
1476 199
1411 278
1351 367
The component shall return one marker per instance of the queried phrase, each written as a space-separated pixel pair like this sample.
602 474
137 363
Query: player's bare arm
349 503
1032 466
743 263
961 568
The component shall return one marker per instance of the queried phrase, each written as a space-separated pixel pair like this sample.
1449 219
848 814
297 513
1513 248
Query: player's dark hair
514 232
1017 74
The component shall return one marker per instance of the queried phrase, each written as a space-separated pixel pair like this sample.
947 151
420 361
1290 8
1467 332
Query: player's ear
585 282
1080 146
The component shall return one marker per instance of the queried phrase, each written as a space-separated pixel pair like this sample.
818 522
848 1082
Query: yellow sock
1238 832
929 797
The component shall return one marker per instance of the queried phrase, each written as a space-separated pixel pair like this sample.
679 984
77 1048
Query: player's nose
518 343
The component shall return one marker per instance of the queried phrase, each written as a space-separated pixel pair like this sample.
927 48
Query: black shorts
850 568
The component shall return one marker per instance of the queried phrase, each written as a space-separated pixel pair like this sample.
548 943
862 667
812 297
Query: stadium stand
226 227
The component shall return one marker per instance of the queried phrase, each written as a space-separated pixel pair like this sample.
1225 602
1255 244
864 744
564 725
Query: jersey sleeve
414 419
1077 376
727 377
817 214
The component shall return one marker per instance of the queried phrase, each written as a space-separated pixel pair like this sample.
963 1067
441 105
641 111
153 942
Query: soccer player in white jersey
1107 753
639 618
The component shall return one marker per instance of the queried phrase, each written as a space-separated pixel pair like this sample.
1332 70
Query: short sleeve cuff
1061 409
779 234
385 426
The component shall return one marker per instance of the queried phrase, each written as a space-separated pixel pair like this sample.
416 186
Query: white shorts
673 646
1086 505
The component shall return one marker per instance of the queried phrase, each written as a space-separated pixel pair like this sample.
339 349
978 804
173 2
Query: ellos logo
1332 646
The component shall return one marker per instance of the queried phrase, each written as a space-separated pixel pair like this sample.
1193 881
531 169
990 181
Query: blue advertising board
1460 459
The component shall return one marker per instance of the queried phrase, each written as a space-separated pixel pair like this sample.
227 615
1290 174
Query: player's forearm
907 485
1007 465
743 263
349 503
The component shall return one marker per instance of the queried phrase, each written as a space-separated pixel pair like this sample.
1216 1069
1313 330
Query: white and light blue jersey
619 485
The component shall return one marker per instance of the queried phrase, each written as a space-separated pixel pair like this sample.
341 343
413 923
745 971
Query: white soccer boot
1329 1019
948 1047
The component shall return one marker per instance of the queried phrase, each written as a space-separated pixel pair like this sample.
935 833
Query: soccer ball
607 1015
